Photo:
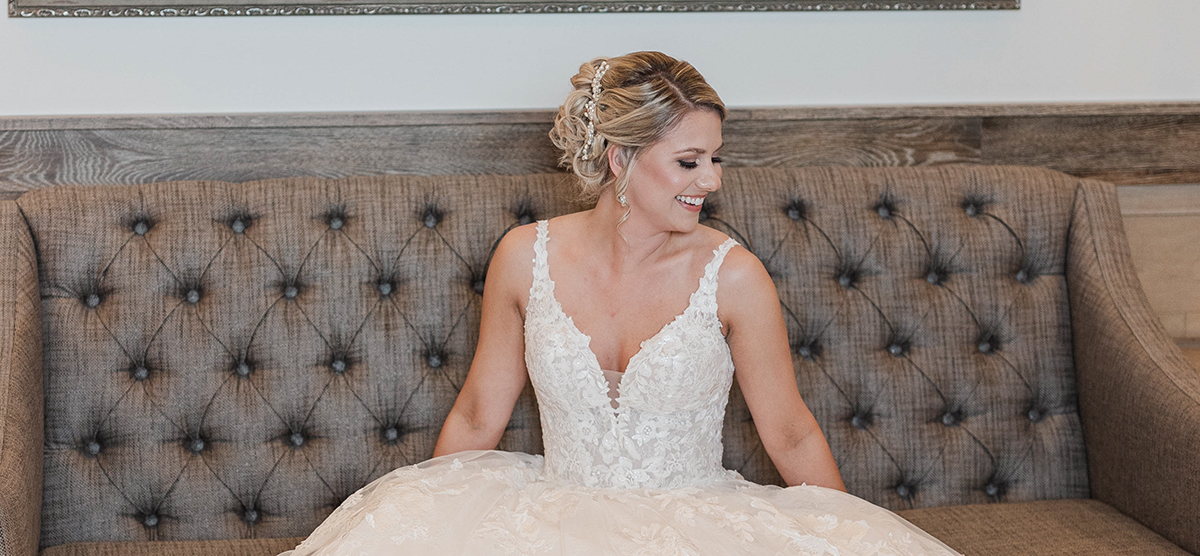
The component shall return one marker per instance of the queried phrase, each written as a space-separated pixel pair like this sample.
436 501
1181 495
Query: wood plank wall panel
1123 143
1143 149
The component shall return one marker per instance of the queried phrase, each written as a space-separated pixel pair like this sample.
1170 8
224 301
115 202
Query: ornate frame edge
15 11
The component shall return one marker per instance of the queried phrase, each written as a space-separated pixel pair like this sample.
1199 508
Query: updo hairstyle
642 96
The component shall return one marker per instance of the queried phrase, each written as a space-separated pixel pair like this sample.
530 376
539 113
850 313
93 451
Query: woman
631 407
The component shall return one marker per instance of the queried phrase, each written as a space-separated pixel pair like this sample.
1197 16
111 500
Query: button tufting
92 300
896 350
243 369
391 435
238 226
336 223
971 209
1036 415
92 448
196 445
904 490
434 360
477 285
795 209
845 281
250 515
141 227
985 347
338 366
150 520
933 278
431 217
805 351
193 296
140 373
994 489
950 419
385 288
291 292
883 212
296 440
861 421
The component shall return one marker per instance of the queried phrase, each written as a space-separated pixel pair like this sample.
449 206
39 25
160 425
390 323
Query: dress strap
541 269
707 291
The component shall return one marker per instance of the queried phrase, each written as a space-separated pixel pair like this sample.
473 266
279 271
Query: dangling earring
621 199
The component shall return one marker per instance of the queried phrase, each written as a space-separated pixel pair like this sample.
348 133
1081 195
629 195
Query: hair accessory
591 111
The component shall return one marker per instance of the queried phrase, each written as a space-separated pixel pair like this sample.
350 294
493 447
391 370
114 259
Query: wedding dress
638 474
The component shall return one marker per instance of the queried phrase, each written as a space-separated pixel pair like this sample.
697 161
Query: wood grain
1145 149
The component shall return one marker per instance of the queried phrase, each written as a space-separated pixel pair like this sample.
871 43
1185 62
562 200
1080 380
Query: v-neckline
587 340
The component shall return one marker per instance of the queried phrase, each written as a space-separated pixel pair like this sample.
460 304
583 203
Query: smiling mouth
692 201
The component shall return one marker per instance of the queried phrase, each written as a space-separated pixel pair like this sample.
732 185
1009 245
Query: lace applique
666 430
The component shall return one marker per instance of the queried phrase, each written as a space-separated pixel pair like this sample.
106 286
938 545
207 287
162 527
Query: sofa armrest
1139 399
20 387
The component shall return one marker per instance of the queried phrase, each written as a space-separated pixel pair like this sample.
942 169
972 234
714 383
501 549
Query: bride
631 408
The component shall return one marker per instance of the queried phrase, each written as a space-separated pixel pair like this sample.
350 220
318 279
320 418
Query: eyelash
690 165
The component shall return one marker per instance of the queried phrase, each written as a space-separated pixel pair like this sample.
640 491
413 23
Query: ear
616 159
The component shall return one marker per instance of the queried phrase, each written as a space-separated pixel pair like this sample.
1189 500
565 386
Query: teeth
694 201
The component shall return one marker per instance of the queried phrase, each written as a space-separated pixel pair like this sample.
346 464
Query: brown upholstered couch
210 368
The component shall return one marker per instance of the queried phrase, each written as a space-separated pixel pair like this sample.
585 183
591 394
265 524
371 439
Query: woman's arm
758 341
497 373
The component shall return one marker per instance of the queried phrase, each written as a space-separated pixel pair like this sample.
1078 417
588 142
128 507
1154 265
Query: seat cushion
1058 527
239 547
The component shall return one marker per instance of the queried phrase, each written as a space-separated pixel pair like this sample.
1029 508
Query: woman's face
671 177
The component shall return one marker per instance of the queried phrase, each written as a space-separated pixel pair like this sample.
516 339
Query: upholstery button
431 217
93 300
950 419
238 226
1022 276
243 369
296 440
883 212
336 223
150 520
845 281
933 278
477 285
385 288
140 373
971 209
905 491
994 489
338 366
861 421
291 292
1036 415
196 445
985 347
250 515
795 209
525 217
805 352
896 350
434 360
93 448
141 227
193 296
391 435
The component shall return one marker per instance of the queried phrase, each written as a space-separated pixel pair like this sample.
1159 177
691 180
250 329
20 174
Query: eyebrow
698 150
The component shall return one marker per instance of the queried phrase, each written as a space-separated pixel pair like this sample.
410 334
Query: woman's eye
688 165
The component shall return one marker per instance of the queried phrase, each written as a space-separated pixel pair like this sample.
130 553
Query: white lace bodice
666 429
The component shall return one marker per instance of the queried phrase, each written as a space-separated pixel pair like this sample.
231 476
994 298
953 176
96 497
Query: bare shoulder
745 294
510 271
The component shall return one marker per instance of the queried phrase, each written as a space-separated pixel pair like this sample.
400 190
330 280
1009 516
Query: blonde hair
642 96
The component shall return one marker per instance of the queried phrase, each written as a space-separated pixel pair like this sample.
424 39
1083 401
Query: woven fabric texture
1139 397
20 386
1041 528
232 360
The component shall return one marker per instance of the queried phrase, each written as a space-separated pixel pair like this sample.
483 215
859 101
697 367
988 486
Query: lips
691 203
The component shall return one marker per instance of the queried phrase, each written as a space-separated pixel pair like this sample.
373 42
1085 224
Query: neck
635 242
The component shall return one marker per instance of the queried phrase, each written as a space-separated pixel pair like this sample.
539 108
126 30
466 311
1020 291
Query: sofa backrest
232 360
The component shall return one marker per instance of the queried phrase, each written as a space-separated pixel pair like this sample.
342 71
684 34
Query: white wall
1048 51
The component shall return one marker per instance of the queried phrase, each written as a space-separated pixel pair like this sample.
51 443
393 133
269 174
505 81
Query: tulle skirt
492 502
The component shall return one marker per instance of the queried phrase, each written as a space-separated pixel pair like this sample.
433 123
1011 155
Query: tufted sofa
207 368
